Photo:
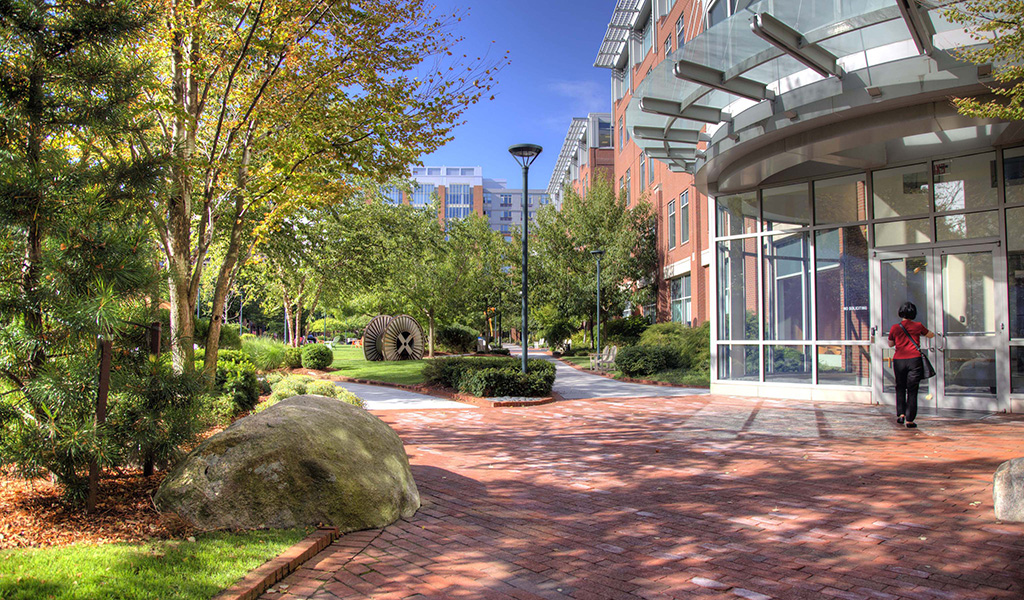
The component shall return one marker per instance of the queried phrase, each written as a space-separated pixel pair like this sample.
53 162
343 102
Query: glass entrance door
960 296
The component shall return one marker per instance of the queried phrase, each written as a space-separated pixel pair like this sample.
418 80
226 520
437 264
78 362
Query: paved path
379 397
687 497
574 384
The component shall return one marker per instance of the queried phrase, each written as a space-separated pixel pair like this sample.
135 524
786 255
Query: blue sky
552 45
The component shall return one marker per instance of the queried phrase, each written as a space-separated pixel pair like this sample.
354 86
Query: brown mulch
32 514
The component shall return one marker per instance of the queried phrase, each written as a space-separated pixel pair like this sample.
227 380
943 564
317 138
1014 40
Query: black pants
909 372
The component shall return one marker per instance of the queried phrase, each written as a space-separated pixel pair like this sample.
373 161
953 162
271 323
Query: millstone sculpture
393 338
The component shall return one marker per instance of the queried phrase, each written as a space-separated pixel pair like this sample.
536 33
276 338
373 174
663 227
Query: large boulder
1008 490
307 460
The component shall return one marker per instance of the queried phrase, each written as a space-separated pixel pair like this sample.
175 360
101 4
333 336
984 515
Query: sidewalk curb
276 569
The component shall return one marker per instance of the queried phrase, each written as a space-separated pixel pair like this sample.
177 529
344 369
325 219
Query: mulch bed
32 514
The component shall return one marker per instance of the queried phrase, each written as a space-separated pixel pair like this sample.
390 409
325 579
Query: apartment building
587 155
463 191
830 179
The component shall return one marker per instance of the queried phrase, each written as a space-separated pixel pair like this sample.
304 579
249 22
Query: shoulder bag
929 370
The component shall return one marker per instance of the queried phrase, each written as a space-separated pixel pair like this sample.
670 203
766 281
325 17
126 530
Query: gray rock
1008 490
307 460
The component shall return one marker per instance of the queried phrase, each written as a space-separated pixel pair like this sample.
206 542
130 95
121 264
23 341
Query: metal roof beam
688 154
688 136
713 78
671 108
921 30
793 43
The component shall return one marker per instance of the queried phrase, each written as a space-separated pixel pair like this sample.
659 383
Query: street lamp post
597 338
525 154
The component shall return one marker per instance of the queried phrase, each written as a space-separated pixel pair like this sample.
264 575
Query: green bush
500 350
646 360
273 378
229 335
292 357
557 333
456 372
322 388
317 356
347 396
693 344
624 332
264 352
456 338
506 382
236 377
296 383
264 385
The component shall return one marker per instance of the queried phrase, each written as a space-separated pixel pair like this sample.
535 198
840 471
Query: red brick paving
697 497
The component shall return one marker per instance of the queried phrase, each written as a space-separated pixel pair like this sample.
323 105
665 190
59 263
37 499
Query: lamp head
525 154
597 253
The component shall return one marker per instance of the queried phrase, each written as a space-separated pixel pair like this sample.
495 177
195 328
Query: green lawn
158 570
579 361
349 361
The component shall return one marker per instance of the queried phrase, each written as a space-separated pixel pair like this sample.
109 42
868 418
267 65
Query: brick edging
275 569
627 379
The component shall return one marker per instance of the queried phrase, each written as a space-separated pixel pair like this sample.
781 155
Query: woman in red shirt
906 362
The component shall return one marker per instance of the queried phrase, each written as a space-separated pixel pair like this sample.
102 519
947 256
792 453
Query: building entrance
960 293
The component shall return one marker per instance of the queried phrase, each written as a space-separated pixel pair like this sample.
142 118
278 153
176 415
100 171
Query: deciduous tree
997 28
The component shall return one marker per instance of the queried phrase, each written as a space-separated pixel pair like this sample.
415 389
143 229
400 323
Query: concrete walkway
692 497
574 384
379 397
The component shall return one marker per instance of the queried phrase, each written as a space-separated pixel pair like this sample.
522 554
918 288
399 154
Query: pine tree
76 262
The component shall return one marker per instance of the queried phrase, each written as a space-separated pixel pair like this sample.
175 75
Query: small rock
1008 490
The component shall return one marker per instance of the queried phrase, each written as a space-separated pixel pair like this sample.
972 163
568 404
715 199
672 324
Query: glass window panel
901 192
899 233
423 194
737 214
788 364
684 217
787 287
1016 370
1013 175
680 303
786 207
739 363
737 289
904 280
841 200
970 372
842 283
844 365
965 182
969 226
1015 268
672 224
968 293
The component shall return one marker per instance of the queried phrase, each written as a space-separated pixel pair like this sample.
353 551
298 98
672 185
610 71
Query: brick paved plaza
692 497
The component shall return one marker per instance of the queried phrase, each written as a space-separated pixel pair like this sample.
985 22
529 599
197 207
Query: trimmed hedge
646 360
322 388
456 338
317 356
293 357
492 376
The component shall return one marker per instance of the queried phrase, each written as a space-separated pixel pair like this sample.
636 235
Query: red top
904 349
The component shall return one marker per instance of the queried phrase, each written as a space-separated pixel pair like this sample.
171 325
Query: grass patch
678 377
349 362
579 361
157 570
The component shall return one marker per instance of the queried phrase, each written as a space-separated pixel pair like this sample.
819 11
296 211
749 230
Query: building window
668 42
626 128
506 215
604 134
459 201
506 199
621 130
506 229
423 194
684 217
680 32
681 297
488 198
392 195
643 168
622 185
672 224
717 12
648 38
627 186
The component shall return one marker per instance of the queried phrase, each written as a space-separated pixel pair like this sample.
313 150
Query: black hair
908 311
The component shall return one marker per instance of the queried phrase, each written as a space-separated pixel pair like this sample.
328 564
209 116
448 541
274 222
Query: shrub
456 372
264 352
273 378
645 360
624 332
456 338
317 356
292 357
322 388
296 383
229 335
693 344
507 382
350 398
236 377
500 350
557 333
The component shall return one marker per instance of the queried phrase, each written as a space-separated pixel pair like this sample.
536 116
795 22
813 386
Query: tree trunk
182 323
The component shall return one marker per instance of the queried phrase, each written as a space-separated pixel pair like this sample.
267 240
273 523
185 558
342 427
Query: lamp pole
597 338
525 154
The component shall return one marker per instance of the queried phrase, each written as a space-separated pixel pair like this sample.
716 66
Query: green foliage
316 356
693 344
625 331
500 350
293 357
459 373
636 361
457 339
265 352
229 336
155 569
322 388
347 396
236 377
273 378
557 333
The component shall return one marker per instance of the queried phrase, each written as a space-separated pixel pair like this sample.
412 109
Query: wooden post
105 347
155 331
